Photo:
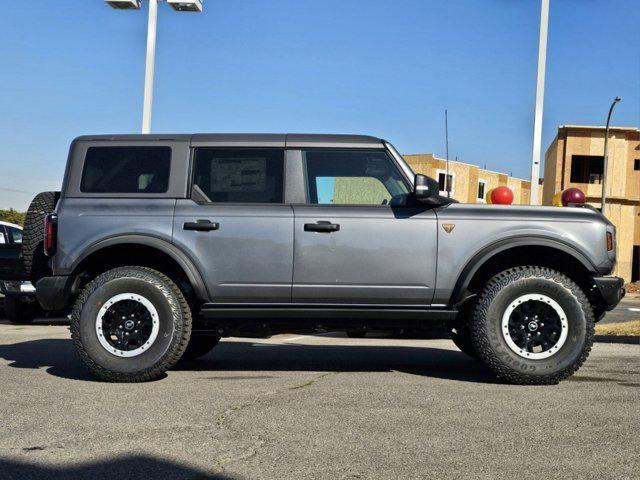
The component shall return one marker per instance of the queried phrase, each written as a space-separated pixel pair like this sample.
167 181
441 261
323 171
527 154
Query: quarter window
239 175
353 177
126 170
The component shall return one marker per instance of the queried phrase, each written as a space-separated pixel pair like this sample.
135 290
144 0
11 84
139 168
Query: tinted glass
16 234
126 170
353 177
240 175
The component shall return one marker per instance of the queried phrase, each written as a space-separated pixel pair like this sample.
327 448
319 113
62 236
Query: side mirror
426 189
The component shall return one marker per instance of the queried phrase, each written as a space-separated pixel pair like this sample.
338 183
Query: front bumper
611 290
54 293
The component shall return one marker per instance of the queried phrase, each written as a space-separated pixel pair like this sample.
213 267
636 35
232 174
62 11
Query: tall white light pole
537 120
178 5
147 103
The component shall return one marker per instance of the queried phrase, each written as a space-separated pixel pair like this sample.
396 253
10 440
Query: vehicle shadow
59 359
134 467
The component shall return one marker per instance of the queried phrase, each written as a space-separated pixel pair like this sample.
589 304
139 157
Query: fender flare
489 251
187 265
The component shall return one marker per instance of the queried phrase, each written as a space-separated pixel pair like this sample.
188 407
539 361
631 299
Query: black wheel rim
127 325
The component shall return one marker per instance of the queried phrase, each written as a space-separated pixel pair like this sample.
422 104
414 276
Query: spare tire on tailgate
36 263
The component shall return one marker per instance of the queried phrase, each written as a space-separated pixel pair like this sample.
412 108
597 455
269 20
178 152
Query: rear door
236 225
357 239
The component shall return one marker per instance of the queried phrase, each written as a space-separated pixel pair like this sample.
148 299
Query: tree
12 216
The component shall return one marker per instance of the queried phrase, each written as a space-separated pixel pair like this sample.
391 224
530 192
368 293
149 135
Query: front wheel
532 325
130 324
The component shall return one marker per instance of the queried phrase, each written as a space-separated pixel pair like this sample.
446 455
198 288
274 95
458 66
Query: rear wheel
130 324
532 325
36 263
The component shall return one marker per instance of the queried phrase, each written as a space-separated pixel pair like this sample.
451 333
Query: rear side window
240 175
126 170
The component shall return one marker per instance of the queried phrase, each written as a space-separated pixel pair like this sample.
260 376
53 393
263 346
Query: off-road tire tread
479 331
178 345
35 263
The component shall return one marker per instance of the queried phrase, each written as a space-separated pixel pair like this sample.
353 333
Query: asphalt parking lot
313 407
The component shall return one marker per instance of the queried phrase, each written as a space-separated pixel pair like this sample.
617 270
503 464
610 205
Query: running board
267 312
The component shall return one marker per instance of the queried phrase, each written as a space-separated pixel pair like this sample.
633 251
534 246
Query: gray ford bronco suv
162 244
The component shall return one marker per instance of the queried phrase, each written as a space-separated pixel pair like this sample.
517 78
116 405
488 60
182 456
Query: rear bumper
611 290
54 293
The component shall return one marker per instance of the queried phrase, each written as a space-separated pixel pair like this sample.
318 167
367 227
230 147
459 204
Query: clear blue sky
386 68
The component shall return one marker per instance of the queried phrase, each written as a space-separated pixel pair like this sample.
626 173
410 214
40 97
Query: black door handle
201 226
325 227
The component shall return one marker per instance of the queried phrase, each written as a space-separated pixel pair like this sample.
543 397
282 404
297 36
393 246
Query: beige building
575 159
469 183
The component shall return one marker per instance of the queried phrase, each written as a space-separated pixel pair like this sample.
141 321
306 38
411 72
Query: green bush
12 216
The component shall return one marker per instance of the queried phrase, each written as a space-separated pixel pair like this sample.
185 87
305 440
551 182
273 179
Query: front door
236 225
357 241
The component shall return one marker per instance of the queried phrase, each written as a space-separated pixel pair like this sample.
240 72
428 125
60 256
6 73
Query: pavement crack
222 421
312 381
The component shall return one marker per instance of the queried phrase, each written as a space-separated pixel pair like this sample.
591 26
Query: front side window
126 170
353 177
239 175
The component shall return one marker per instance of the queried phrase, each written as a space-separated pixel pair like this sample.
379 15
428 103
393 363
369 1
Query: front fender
486 253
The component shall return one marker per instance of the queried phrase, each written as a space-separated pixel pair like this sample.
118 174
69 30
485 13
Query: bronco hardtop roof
290 140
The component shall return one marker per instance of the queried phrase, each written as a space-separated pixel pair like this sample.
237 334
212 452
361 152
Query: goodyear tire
199 346
532 325
36 263
130 324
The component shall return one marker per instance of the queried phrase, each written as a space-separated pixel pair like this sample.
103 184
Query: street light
606 155
177 5
537 114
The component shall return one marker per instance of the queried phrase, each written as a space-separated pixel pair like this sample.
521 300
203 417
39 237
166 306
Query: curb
630 339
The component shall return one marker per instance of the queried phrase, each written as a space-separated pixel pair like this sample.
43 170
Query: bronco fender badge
448 227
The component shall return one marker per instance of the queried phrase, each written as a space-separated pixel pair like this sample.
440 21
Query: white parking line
307 336
634 309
